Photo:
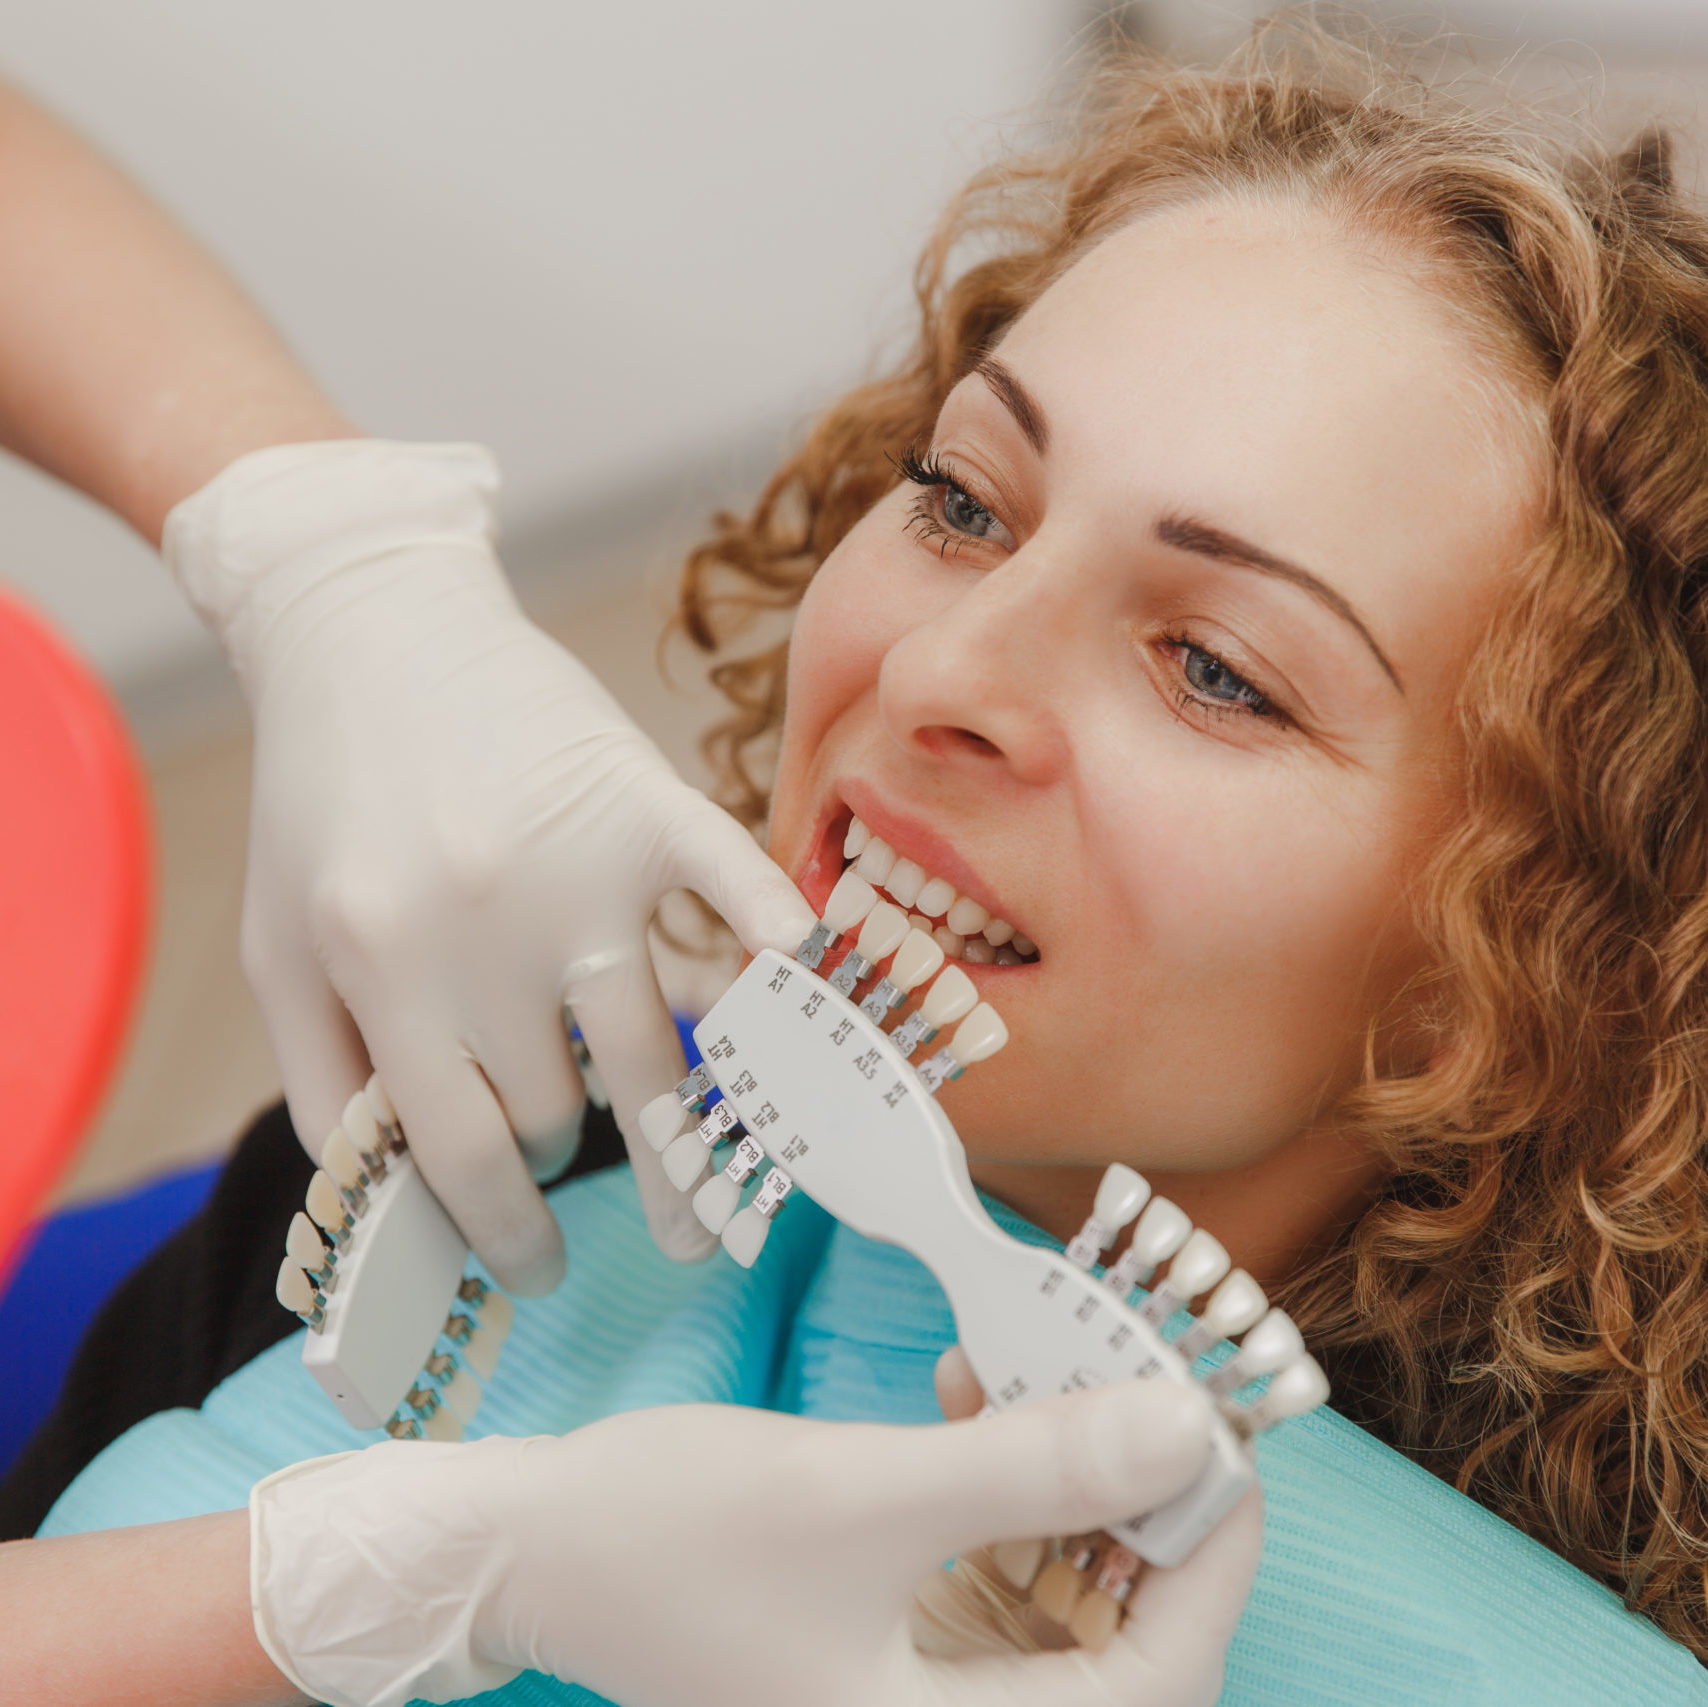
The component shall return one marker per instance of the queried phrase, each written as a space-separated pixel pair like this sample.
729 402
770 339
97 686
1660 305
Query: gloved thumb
719 860
1062 1467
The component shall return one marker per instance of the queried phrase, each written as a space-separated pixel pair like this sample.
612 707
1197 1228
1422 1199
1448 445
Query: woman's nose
981 685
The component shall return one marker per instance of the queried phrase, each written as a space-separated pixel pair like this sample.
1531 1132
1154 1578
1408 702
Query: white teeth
854 843
952 944
882 932
997 932
850 901
876 860
338 1157
917 959
906 879
978 951
936 898
981 1034
1006 956
304 1245
1023 946
952 995
967 918
1234 1306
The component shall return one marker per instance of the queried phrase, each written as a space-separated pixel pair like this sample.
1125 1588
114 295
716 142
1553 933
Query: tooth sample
880 935
363 1130
715 1202
1057 1590
297 1293
1198 1265
917 959
1120 1196
1162 1230
850 901
338 1157
1232 1308
744 1237
978 952
1292 1391
1018 1560
951 995
876 860
906 879
663 1119
981 1034
328 1209
997 932
1023 946
305 1247
1269 1346
936 898
949 941
384 1113
967 918
854 843
1098 1614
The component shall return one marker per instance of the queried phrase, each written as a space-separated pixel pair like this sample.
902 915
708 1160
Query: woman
1289 617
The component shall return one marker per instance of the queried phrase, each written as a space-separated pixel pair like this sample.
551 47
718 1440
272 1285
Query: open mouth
963 927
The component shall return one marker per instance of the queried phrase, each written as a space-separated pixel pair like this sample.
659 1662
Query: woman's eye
965 514
1215 684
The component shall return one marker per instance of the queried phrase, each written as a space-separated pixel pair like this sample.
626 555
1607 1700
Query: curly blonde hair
1525 1308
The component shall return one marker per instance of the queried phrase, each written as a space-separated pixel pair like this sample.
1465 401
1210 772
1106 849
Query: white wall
614 241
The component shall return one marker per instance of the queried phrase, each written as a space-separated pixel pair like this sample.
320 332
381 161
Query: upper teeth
952 919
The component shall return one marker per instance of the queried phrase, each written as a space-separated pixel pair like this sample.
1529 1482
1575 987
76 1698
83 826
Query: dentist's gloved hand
705 1556
454 830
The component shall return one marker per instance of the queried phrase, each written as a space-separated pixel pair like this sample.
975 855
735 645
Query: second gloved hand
706 1556
454 830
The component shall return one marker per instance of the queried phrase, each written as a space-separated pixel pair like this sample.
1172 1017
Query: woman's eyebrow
1019 402
1186 533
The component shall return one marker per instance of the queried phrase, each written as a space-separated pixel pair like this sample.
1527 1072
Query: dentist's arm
454 827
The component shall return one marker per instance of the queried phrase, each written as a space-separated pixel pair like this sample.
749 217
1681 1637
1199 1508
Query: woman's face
1159 667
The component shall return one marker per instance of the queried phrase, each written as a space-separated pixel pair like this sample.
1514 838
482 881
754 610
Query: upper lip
913 838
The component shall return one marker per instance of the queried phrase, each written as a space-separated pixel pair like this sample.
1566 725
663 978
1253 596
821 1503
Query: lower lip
826 863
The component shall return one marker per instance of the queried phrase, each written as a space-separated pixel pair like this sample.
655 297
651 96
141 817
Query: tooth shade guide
827 1094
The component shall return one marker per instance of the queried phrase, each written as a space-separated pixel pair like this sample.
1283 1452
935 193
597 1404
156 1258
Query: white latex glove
705 1556
454 830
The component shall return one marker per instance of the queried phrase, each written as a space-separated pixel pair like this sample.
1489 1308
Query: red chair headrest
76 881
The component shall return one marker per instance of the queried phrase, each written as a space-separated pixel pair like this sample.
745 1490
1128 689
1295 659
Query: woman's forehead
1257 367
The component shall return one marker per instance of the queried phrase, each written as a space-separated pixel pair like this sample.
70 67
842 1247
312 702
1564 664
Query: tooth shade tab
662 1120
876 860
363 1130
854 843
850 901
306 1248
327 1208
684 1160
1273 1343
338 1157
998 932
1232 1308
461 1396
952 995
917 959
296 1292
380 1103
967 918
716 1201
1197 1266
906 879
935 898
1162 1230
1292 1391
981 1034
1120 1197
883 932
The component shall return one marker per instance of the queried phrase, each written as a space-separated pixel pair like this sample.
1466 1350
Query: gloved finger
710 853
959 1394
462 1143
322 1059
1057 1468
527 1060
1182 1620
633 1041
